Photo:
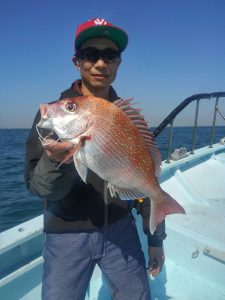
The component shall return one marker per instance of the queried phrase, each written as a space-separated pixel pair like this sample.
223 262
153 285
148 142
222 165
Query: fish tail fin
162 207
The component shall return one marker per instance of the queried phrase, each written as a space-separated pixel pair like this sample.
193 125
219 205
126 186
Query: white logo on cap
100 22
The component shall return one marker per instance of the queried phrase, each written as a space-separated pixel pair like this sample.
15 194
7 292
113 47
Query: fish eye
71 107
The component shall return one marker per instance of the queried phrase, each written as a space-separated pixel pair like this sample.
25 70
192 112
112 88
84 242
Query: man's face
100 73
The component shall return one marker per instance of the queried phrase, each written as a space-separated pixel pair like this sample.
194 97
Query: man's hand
156 260
58 150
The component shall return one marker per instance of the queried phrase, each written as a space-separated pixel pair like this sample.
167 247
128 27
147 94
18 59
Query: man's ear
76 62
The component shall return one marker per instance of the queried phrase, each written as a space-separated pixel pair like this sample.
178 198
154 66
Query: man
84 225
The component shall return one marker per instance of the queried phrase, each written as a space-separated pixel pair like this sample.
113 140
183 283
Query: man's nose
100 63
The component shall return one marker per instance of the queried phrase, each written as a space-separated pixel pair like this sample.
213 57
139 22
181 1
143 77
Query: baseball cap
100 28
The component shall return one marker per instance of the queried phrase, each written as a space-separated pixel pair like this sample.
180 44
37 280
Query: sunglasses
91 54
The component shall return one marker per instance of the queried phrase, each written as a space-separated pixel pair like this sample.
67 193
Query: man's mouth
99 75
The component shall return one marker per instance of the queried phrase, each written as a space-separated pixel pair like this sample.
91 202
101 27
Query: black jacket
70 204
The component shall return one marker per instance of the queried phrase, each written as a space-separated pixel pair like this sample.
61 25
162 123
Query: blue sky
176 49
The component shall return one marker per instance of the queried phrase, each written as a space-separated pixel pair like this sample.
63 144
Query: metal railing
169 120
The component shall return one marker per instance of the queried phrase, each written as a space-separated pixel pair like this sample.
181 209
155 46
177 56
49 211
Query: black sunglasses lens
89 54
93 55
109 55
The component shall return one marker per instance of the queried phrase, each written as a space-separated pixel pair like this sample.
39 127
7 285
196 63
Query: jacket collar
76 88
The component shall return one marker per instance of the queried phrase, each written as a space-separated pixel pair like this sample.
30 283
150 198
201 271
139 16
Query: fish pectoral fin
124 194
82 170
71 152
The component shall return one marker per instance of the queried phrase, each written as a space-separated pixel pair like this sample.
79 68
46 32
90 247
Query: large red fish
112 139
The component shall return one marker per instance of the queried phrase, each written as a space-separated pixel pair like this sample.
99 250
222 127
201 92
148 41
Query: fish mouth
46 116
43 111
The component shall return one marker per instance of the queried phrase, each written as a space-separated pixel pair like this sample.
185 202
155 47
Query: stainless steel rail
169 120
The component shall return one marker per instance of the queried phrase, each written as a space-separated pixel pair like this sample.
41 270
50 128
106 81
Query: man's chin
102 83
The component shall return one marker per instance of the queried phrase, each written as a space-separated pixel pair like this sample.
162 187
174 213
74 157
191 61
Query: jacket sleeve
156 239
42 177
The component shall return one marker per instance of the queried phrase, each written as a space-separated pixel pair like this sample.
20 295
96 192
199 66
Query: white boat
195 243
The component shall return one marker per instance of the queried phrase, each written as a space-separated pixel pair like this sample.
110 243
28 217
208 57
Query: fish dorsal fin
137 118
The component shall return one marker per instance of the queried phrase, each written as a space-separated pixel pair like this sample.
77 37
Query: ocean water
17 205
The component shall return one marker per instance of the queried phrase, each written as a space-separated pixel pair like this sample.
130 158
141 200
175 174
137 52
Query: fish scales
125 156
109 160
113 141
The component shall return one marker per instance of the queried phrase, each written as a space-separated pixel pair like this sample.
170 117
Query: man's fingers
156 260
154 272
58 147
58 150
155 267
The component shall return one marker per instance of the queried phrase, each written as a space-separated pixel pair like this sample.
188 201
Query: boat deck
202 197
195 245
